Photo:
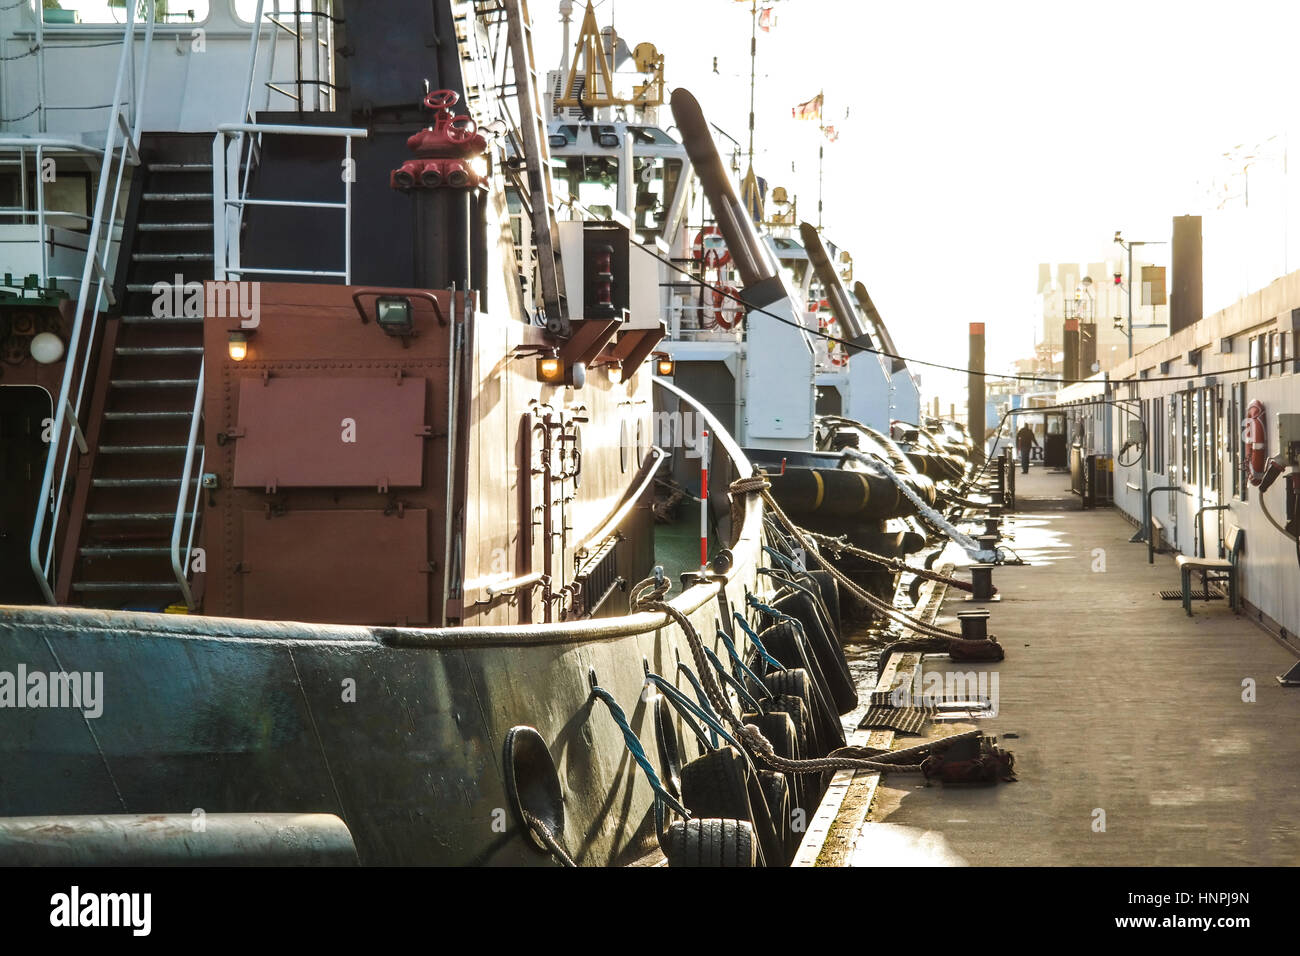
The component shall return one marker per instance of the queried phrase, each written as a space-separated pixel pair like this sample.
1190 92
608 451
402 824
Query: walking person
1025 442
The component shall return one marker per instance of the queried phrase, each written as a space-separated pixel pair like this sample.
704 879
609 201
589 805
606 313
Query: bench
1213 569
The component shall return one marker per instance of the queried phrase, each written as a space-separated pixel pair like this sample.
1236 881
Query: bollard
981 579
974 625
987 542
992 527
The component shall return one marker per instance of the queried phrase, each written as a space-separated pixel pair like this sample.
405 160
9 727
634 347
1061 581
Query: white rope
963 541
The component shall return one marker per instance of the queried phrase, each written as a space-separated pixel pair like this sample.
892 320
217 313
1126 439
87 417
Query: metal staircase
139 441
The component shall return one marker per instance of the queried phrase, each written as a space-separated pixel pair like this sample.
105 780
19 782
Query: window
62 12
1155 440
1239 441
1256 355
1171 464
1232 449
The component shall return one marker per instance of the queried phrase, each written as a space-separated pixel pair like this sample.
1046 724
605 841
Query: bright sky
985 138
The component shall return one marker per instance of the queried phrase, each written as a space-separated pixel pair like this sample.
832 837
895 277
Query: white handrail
227 212
42 566
181 568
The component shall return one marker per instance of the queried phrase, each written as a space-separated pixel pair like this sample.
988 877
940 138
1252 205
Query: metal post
1151 535
704 498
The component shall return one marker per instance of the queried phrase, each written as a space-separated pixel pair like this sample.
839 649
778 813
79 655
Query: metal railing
120 141
228 213
181 566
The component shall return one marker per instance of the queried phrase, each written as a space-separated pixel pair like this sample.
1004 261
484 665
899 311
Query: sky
984 138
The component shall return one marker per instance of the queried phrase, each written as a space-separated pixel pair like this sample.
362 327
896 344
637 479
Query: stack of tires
743 813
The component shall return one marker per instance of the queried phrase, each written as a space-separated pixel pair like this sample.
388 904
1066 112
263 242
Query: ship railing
42 147
121 142
230 198
181 564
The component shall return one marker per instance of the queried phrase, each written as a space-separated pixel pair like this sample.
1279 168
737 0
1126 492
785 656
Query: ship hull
398 731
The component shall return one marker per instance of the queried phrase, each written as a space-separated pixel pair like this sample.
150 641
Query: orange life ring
1255 436
727 310
710 248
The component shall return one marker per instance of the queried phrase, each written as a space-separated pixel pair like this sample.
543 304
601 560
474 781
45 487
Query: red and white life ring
727 309
1254 435
710 248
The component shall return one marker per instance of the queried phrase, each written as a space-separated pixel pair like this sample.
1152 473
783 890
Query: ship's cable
726 293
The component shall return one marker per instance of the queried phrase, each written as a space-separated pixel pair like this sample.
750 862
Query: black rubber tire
830 591
721 785
827 733
776 794
710 842
825 648
786 642
715 786
779 728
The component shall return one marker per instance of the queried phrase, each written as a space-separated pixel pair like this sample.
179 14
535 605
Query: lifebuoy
837 356
1254 435
727 309
710 248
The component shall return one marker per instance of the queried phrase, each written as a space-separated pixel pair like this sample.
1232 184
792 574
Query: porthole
640 443
622 445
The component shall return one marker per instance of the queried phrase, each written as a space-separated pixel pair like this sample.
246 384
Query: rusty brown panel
314 332
330 433
340 567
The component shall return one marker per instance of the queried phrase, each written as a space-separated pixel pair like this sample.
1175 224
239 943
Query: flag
831 133
810 110
765 20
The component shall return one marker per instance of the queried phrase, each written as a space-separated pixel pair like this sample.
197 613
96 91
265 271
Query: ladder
535 158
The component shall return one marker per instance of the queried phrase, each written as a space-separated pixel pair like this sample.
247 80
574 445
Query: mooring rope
758 484
547 836
648 595
841 544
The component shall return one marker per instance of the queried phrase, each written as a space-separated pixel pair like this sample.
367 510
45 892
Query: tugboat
739 338
344 504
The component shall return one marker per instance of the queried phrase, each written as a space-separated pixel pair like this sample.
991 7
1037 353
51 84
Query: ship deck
1124 713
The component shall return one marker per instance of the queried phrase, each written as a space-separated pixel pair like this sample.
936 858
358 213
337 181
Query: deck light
46 348
549 368
393 314
665 366
238 346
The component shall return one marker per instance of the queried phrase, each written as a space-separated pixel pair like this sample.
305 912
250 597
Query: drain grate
1196 596
904 720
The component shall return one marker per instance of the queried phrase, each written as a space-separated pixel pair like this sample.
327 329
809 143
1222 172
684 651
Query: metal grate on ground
1195 595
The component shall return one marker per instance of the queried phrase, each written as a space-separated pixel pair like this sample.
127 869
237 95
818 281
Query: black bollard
974 625
981 579
992 527
987 542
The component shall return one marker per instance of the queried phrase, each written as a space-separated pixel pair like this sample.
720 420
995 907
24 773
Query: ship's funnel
841 305
873 316
747 252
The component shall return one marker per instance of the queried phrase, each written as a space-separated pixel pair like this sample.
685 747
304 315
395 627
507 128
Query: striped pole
704 498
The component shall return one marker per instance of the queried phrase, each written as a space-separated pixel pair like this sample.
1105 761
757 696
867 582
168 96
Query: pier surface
1133 743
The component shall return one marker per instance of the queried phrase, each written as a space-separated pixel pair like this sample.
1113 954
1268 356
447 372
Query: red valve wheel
442 99
461 129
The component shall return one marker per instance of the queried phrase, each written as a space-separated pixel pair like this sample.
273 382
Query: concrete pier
1136 738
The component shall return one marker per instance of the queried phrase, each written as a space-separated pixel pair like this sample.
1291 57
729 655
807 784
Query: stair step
177 197
159 350
124 550
162 319
180 167
146 416
137 482
174 226
154 382
131 516
142 449
125 586
171 257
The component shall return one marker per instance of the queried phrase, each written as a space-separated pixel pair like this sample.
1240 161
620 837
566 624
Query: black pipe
836 294
747 251
1151 535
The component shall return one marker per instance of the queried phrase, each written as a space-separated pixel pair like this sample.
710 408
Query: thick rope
545 834
964 541
884 607
648 595
841 545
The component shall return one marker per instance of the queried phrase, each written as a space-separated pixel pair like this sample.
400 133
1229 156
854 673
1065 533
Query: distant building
1101 308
